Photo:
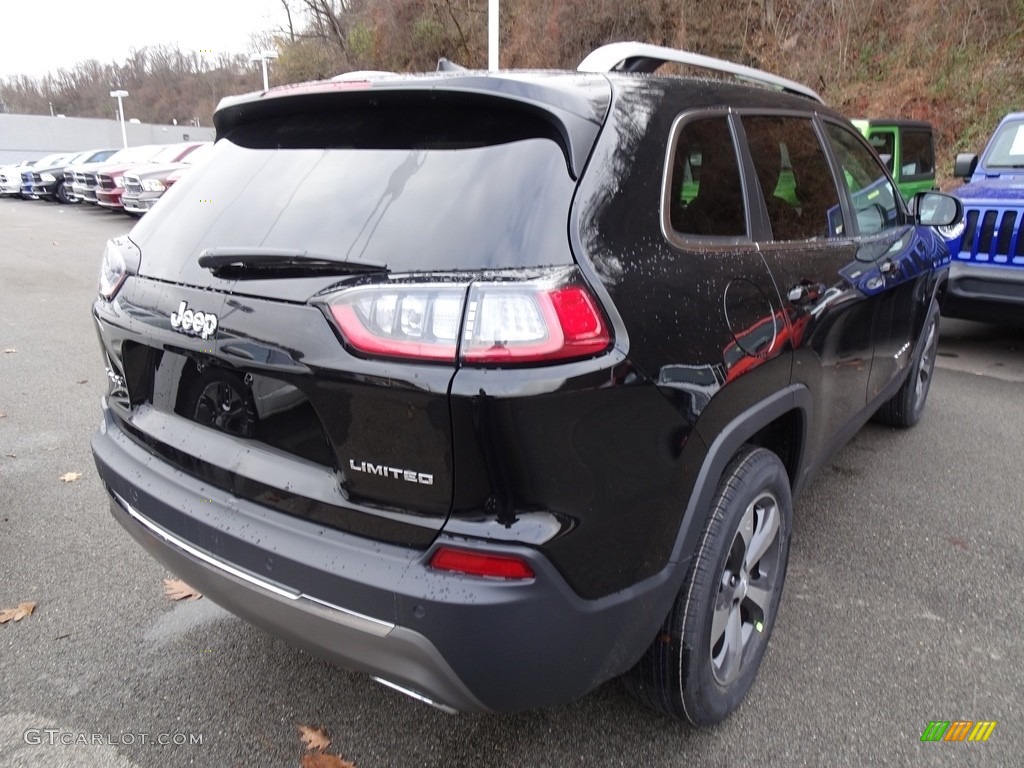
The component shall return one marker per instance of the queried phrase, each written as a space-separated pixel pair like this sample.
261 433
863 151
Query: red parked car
110 179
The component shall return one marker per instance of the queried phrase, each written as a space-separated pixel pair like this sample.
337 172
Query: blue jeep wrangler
986 278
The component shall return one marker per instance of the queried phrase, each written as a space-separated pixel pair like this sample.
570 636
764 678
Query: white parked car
10 178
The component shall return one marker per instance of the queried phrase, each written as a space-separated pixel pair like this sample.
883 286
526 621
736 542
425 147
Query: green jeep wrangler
907 148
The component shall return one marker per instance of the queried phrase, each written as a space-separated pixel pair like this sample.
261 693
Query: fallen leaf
17 614
176 589
314 739
70 477
319 760
81 381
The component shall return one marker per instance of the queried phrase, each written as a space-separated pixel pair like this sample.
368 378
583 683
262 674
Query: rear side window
799 190
705 196
871 192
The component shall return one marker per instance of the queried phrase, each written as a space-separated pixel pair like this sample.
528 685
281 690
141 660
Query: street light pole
493 7
264 57
120 113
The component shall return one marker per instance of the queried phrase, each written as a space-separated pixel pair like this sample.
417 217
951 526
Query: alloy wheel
746 586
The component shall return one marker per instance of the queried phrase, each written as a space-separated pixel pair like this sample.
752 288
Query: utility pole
492 35
120 112
264 57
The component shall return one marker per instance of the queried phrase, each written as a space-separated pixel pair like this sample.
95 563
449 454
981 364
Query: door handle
805 292
889 268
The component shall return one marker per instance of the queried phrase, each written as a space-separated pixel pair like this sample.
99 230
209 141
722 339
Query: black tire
732 590
904 409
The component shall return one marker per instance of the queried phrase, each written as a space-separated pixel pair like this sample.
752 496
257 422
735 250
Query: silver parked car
146 184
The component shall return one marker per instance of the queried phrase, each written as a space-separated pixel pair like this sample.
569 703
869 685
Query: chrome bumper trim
349 618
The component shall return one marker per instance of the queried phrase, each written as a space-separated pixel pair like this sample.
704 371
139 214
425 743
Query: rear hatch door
405 198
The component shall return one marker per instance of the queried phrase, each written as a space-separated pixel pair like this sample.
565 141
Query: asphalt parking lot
902 604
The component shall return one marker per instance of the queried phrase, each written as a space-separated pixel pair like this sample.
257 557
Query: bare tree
291 26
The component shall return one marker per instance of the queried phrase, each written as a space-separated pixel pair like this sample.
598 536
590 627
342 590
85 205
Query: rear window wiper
256 263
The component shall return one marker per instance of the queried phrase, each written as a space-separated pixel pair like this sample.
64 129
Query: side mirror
935 209
965 165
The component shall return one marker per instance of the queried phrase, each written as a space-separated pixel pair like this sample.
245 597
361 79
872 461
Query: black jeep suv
498 386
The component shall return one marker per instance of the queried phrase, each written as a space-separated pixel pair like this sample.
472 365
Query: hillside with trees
958 64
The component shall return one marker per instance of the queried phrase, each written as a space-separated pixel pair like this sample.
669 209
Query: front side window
799 190
871 192
705 196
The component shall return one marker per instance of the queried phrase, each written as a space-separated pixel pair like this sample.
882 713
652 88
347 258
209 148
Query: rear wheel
708 652
906 406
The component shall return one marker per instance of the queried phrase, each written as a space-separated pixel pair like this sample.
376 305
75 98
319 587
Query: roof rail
644 57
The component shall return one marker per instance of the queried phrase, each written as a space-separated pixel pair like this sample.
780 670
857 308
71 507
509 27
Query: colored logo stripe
935 731
958 730
982 730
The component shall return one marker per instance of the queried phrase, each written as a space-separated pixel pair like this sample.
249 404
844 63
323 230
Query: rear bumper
988 293
458 642
345 637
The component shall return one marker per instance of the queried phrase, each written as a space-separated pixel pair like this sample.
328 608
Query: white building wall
27 137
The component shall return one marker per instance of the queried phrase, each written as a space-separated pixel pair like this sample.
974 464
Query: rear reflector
481 564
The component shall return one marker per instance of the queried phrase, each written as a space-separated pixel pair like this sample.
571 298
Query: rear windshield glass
421 193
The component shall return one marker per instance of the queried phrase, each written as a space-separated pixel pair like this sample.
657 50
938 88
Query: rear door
814 257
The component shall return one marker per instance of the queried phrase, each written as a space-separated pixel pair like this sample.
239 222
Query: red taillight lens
416 321
524 325
502 323
481 564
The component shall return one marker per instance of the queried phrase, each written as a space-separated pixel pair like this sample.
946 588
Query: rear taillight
522 325
121 258
113 271
482 564
415 321
488 323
